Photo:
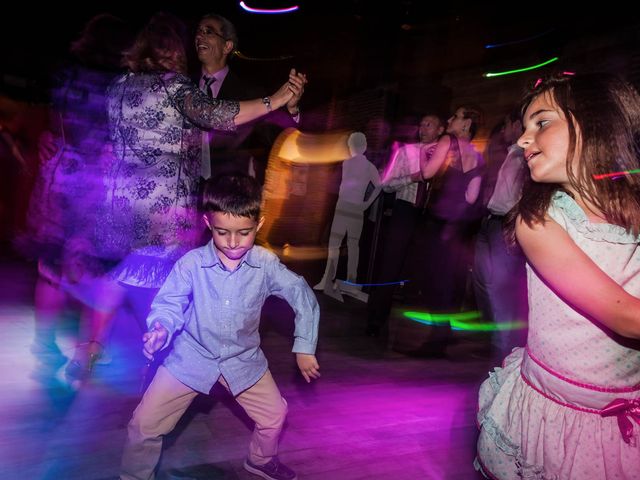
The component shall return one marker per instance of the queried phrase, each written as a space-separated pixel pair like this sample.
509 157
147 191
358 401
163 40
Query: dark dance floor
374 414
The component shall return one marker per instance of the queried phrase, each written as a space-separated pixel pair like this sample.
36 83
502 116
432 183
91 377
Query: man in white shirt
404 218
499 269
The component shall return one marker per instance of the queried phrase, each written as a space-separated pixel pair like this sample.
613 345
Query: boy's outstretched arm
293 288
154 340
308 365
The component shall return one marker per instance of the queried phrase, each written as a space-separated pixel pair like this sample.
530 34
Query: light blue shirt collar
211 258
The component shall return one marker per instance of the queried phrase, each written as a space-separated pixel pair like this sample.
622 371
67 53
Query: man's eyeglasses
208 31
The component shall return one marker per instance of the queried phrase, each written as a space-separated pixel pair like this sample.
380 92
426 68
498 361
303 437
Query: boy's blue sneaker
273 470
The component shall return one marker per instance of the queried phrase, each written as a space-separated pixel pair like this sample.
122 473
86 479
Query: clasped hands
289 93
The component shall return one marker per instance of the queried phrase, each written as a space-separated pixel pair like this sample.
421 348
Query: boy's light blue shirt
213 315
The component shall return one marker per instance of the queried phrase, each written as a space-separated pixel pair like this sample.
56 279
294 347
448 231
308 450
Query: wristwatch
267 103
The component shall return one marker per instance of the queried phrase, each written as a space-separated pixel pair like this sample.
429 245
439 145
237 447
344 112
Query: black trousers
397 240
448 247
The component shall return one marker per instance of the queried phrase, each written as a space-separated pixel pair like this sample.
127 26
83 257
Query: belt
623 403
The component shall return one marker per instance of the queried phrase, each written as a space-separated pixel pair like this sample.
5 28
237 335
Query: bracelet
267 103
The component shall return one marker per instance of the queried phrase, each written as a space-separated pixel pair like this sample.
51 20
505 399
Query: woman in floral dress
156 115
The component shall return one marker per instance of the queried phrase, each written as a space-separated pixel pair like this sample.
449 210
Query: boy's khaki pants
166 400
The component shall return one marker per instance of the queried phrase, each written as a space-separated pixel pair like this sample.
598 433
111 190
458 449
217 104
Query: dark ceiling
348 45
320 29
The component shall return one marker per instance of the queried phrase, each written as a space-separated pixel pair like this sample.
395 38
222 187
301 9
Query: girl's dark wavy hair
605 110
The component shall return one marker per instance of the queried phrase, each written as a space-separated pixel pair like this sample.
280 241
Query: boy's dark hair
236 194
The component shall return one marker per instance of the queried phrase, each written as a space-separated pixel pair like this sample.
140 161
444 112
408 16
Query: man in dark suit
247 149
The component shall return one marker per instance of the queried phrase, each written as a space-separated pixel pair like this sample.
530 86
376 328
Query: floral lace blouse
150 215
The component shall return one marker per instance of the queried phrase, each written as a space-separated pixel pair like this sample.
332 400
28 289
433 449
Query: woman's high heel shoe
81 366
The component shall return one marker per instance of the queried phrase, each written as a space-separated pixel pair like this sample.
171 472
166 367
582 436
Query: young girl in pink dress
567 406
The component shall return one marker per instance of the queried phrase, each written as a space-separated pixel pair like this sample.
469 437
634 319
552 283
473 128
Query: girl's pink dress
567 406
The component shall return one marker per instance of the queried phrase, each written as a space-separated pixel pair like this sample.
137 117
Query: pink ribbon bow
624 410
